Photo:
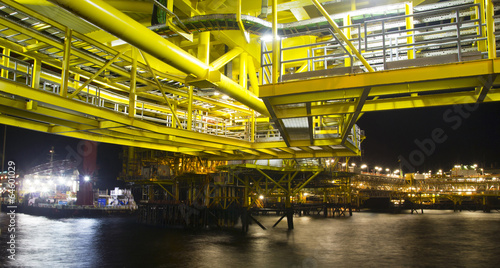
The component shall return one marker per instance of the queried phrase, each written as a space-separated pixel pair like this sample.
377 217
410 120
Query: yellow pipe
204 47
5 62
224 59
65 64
276 44
347 22
341 34
490 29
133 79
190 109
111 61
409 25
243 69
122 5
479 12
252 73
113 21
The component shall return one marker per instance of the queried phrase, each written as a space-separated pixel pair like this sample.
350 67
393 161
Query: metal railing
454 30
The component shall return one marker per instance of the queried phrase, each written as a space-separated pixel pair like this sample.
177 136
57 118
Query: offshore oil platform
234 107
187 191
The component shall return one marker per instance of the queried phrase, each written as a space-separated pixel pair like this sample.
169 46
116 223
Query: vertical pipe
252 128
481 30
65 63
490 30
409 25
204 47
37 69
243 69
252 73
190 108
347 32
276 44
133 79
5 62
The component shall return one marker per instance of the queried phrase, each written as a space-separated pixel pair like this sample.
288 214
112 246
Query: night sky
425 139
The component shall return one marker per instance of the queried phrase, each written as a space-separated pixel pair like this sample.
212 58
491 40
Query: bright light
225 97
343 164
86 178
28 182
396 171
305 194
268 38
387 170
353 164
261 197
364 166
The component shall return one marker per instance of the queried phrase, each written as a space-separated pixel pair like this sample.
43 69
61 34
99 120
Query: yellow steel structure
227 92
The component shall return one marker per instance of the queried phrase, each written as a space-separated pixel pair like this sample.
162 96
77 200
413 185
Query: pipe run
115 22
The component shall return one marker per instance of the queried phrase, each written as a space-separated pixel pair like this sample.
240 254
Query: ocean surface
432 239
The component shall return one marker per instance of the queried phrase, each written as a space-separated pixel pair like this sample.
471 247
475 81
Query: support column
481 30
252 127
347 32
65 64
276 44
190 108
133 79
252 74
204 47
288 204
243 69
35 75
409 25
5 62
490 30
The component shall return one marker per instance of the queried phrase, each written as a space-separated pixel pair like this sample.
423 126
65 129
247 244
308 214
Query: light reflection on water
436 238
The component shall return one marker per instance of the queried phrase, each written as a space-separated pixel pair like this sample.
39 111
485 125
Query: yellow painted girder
391 104
384 78
84 108
315 154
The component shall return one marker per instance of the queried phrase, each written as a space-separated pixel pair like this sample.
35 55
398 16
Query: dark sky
445 136
459 135
30 148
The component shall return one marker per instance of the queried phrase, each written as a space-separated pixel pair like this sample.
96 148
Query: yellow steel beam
252 73
393 104
65 63
271 179
296 190
5 62
190 109
391 77
490 30
276 44
315 154
204 47
84 108
174 113
245 34
243 69
40 110
133 79
129 30
226 58
342 35
409 25
96 74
